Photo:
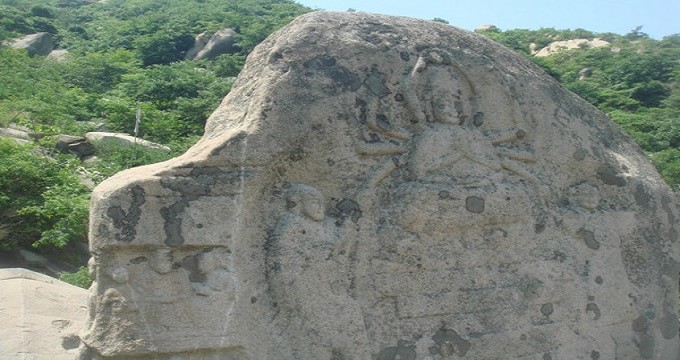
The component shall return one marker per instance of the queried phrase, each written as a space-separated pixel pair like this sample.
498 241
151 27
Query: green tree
42 200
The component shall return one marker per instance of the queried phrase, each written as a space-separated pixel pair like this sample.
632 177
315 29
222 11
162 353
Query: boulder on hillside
96 137
379 187
585 73
569 45
221 42
35 44
199 44
15 134
58 55
40 316
76 145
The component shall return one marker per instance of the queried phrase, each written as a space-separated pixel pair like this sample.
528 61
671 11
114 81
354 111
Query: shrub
80 278
42 200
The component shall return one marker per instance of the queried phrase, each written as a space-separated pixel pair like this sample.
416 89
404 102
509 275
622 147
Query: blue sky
658 17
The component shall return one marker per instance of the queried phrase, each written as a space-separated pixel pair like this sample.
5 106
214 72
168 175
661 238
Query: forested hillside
129 55
635 80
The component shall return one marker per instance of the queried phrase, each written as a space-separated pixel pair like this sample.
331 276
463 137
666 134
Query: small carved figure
306 242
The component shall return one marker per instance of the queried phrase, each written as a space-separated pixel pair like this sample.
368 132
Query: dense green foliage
80 278
636 81
123 55
42 201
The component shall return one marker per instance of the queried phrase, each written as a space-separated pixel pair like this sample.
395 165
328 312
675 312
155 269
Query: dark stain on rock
641 196
592 307
589 238
297 154
199 182
126 223
375 82
547 309
640 252
69 342
478 119
645 345
399 352
190 264
336 354
547 356
172 224
138 260
405 56
650 314
443 194
559 256
580 154
640 324
539 228
346 208
474 204
671 268
595 355
610 176
669 325
598 280
343 77
450 343
665 204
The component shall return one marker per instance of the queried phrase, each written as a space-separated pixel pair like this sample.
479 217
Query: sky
658 18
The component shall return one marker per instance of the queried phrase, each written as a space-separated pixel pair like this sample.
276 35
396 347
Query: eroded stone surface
40 317
380 188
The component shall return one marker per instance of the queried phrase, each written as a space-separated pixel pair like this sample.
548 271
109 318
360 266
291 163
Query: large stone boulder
557 46
221 42
99 137
35 44
40 316
377 187
77 145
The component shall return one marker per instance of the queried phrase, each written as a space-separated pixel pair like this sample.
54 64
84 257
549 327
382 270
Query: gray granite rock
378 187
40 316
36 44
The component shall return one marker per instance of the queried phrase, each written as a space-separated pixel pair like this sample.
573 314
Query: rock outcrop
40 316
35 44
97 137
377 187
221 42
77 145
558 46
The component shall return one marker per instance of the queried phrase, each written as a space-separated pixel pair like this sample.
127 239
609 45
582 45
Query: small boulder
557 46
35 44
58 55
15 134
76 145
585 73
199 43
123 139
40 316
222 42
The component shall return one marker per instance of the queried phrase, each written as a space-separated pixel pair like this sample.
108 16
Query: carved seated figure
459 175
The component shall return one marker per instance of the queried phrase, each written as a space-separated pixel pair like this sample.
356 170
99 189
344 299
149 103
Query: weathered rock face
96 137
221 42
380 188
40 316
558 46
35 44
